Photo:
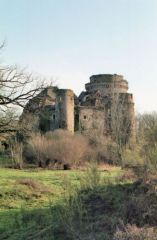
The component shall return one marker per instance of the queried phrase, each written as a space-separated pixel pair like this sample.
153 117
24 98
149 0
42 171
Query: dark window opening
54 117
87 98
76 122
85 117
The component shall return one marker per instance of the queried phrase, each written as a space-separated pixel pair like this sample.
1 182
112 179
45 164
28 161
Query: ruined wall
52 109
91 118
57 108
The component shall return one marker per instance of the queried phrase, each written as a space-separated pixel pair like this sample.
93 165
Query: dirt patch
33 184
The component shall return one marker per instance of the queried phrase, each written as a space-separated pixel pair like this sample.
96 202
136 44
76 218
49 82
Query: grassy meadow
95 204
33 189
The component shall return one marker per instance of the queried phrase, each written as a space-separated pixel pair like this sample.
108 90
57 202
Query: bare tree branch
17 87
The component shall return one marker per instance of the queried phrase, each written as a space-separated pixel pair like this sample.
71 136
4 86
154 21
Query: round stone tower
107 83
108 94
67 109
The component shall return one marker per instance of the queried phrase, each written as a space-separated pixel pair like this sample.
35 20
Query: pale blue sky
73 39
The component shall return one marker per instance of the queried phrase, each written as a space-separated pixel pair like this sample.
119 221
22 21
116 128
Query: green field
38 204
15 194
34 189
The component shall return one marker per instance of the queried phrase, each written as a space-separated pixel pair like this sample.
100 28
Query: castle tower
67 109
106 100
107 83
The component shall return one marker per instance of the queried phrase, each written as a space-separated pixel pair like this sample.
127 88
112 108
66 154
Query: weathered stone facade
52 109
57 108
106 102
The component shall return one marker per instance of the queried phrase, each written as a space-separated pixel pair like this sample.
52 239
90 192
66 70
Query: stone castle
106 97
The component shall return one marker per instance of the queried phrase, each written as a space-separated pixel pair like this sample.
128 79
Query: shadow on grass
91 214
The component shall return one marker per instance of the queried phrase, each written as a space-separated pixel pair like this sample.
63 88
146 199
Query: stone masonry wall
57 108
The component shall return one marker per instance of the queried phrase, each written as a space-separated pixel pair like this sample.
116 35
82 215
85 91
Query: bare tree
147 138
147 127
16 88
120 121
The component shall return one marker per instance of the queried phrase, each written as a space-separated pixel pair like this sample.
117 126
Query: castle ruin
106 97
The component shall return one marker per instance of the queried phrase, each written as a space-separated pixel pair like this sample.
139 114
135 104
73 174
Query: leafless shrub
147 139
17 153
104 148
39 145
59 148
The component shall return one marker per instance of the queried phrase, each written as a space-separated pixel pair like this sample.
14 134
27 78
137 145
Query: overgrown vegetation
58 149
93 204
36 198
142 156
108 207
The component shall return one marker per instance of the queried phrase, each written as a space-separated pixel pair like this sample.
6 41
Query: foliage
142 155
132 157
92 177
